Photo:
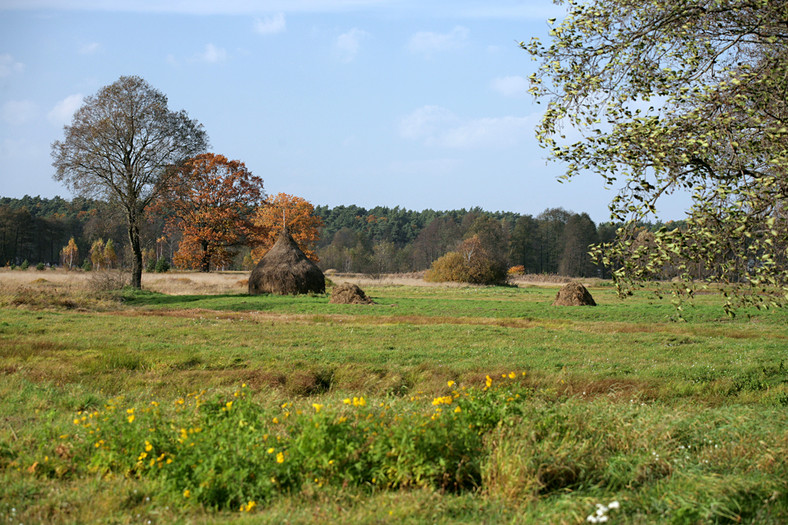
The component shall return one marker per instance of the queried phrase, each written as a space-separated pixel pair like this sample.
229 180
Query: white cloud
212 54
9 66
90 49
437 126
17 112
61 114
270 25
426 122
347 45
512 86
427 43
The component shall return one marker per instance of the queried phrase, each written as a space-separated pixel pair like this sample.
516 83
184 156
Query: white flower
613 505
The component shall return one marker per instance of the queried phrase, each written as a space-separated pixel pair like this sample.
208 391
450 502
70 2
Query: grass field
190 402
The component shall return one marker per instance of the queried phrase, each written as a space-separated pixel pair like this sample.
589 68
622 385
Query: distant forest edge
353 239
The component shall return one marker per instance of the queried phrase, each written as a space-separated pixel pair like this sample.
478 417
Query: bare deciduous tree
120 146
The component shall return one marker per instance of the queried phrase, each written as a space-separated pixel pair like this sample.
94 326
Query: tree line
349 238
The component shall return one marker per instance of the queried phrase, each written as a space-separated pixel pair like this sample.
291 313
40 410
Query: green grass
679 421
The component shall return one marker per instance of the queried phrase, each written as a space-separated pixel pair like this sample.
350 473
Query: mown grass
680 422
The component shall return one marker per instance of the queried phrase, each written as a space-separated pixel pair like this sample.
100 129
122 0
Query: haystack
286 270
573 294
348 293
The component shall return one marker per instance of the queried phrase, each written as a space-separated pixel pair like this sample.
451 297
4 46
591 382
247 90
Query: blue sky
371 102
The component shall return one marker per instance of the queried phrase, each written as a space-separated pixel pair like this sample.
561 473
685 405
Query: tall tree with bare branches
120 146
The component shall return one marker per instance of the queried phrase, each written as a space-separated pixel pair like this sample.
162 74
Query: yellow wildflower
346 401
275 420
131 418
148 446
488 382
229 405
450 383
317 407
187 493
280 458
512 375
270 450
457 410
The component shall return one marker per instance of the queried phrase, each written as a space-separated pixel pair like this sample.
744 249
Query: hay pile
286 270
573 294
347 293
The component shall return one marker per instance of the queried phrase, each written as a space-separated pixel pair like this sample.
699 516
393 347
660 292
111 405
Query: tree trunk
136 249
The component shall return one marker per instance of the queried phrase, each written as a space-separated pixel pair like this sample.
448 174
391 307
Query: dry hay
286 270
348 293
573 294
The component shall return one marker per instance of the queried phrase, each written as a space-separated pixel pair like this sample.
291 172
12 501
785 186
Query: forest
352 238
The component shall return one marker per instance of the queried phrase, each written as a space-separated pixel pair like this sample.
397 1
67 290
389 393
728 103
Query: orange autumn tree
286 210
210 199
69 254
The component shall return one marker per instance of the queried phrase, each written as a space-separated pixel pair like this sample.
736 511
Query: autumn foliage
211 200
69 255
294 212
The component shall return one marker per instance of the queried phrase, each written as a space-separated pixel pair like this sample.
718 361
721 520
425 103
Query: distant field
192 402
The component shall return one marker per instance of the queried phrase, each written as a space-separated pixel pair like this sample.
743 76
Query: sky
391 103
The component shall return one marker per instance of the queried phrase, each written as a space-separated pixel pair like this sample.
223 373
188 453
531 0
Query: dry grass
171 283
215 283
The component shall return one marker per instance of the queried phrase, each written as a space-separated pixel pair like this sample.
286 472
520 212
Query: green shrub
471 263
25 265
87 265
150 266
162 265
41 267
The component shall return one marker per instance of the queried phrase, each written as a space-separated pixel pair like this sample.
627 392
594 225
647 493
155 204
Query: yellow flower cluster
356 401
249 506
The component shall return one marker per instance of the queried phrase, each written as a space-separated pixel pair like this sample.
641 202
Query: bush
25 265
87 265
516 270
41 267
471 263
150 266
162 265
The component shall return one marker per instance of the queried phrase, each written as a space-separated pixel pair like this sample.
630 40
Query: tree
69 255
294 212
121 145
471 263
110 256
524 244
679 95
97 253
579 235
211 200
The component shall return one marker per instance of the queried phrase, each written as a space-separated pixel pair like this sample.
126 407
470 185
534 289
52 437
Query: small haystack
573 294
286 270
347 293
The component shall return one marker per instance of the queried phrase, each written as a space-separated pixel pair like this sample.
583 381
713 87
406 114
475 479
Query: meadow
191 402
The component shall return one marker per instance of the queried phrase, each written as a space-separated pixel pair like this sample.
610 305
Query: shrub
150 266
516 270
25 265
87 265
471 263
162 265
41 267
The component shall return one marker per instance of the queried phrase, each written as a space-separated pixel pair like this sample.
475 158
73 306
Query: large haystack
348 293
573 294
286 270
